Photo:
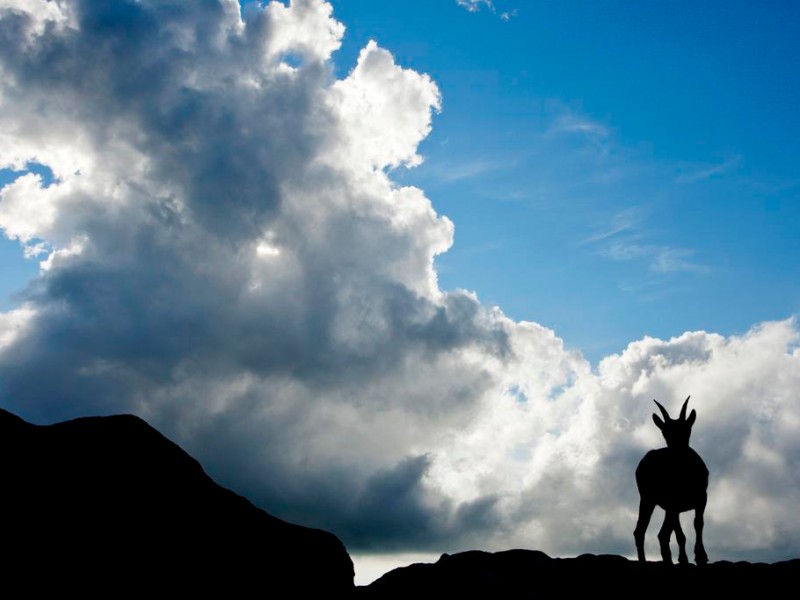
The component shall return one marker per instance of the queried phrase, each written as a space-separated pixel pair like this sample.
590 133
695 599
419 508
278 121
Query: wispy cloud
624 250
626 240
669 260
661 259
647 290
577 129
476 5
513 195
623 221
468 169
570 122
697 173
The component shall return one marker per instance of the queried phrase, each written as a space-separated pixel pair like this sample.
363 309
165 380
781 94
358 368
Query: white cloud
39 14
28 208
384 112
306 27
676 259
468 169
625 240
694 173
623 222
13 325
475 5
571 122
232 260
490 5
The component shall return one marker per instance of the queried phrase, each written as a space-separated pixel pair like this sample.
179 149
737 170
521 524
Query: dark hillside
108 504
532 574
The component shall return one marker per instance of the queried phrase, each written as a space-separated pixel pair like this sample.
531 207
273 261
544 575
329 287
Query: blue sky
238 251
613 169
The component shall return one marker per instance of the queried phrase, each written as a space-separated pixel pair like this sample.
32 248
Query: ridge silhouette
106 505
676 479
530 574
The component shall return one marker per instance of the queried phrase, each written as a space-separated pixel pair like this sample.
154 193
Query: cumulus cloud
228 256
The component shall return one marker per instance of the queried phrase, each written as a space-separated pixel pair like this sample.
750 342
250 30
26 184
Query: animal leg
645 512
665 534
700 556
681 539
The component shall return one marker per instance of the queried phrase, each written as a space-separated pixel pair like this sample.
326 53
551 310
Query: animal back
673 479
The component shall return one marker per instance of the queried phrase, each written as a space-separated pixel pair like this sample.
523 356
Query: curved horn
664 412
683 410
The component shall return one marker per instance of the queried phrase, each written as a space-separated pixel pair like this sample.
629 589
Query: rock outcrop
532 574
108 505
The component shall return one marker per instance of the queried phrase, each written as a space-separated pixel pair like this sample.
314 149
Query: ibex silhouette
676 479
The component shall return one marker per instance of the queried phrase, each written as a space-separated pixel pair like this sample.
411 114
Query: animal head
676 431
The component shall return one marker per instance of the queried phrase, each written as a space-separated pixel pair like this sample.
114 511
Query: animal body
676 479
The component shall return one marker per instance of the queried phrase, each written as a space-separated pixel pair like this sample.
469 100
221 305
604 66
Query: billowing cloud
225 253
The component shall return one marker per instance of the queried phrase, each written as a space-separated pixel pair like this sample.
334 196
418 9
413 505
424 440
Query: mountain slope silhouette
533 574
108 504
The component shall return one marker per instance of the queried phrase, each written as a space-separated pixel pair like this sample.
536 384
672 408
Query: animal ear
692 417
657 420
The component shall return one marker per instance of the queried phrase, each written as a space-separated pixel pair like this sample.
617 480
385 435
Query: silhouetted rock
107 505
533 574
